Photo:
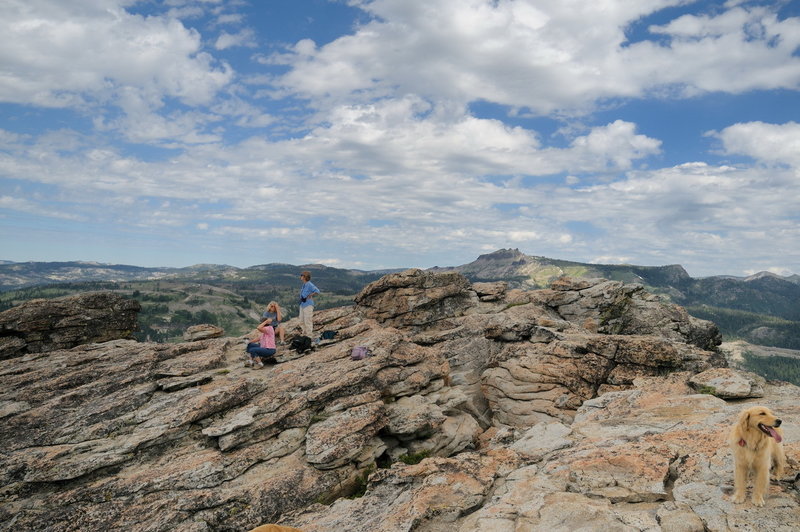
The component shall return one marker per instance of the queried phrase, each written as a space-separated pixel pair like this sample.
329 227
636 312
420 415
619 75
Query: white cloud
265 192
777 270
245 113
56 52
694 210
144 121
738 50
335 263
610 259
407 135
226 40
551 56
93 54
767 143
38 208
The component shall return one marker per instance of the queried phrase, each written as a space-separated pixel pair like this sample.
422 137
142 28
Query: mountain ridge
15 275
760 308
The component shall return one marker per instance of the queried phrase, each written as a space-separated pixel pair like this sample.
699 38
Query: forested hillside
170 306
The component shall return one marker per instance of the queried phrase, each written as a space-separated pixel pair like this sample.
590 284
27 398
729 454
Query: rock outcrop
42 325
564 408
204 331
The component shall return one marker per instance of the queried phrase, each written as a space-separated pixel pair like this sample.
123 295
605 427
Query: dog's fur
275 528
756 443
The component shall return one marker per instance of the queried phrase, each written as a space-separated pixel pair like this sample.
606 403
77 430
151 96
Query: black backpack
301 344
328 335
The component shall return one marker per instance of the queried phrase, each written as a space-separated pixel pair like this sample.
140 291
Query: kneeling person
262 348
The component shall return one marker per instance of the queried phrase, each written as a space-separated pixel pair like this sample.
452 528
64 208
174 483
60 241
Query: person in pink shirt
262 349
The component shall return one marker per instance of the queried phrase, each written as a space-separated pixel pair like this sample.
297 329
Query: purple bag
360 353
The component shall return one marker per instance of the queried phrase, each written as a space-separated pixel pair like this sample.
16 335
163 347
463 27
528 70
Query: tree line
773 367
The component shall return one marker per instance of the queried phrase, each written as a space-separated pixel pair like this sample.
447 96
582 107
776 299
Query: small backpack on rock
360 353
301 344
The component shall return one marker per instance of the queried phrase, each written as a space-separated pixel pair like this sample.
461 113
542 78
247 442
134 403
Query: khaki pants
307 319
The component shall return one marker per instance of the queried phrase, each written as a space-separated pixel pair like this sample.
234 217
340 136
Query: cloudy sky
395 133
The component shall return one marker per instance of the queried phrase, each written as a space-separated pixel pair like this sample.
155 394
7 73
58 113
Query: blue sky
401 133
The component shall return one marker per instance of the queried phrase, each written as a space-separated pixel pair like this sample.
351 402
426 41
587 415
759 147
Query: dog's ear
744 421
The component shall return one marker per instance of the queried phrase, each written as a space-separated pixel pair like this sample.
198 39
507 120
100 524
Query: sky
375 134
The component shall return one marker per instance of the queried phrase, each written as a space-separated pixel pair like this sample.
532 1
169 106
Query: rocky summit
590 405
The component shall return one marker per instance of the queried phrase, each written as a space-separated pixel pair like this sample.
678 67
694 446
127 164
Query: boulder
416 297
618 308
203 331
729 383
490 291
42 325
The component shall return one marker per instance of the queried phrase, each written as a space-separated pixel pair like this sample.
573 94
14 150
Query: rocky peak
42 325
502 255
566 408
415 298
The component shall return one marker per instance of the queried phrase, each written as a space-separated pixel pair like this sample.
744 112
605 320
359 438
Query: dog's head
275 528
760 419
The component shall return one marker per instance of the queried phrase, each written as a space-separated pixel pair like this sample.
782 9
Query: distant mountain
528 271
17 275
764 293
760 275
761 308
14 275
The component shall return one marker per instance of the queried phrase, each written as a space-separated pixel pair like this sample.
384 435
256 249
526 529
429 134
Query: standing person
307 293
262 348
274 314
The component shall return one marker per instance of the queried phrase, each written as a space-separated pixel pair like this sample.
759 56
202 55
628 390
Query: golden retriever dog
756 443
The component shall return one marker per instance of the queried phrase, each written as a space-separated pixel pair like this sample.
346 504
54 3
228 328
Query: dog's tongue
773 433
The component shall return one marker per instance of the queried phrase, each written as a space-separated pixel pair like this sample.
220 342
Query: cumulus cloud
90 54
275 185
738 50
695 208
57 57
767 143
542 55
394 137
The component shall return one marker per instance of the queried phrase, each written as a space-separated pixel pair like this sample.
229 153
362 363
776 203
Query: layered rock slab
182 437
646 459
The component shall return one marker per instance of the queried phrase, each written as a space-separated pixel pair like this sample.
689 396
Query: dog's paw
758 501
738 498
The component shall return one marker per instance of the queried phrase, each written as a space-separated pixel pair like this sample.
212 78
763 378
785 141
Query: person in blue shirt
307 293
